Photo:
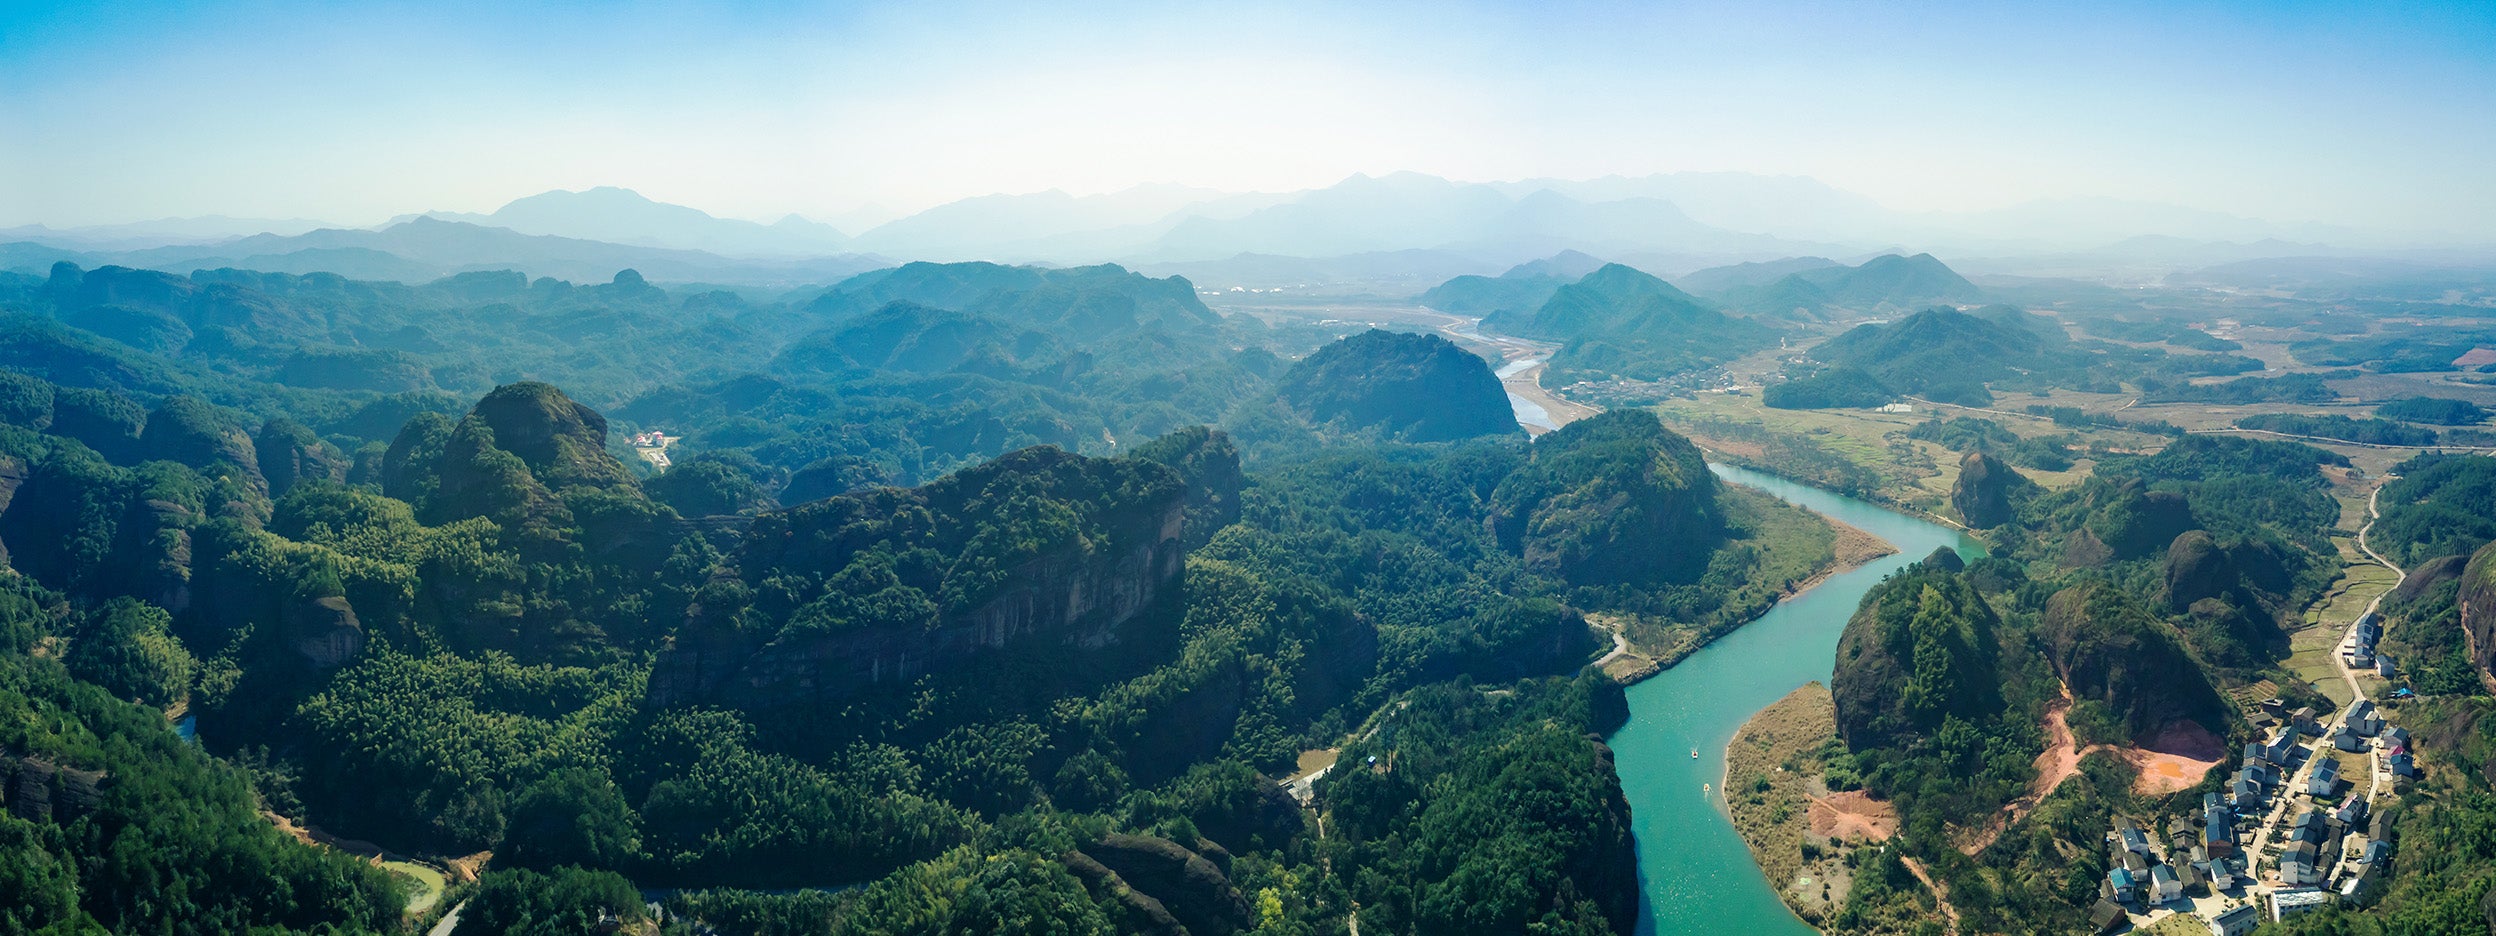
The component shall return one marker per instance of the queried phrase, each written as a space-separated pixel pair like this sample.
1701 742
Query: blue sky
2373 115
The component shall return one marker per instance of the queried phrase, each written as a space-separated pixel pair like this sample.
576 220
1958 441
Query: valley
968 592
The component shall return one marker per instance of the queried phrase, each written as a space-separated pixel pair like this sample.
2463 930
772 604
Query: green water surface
1696 874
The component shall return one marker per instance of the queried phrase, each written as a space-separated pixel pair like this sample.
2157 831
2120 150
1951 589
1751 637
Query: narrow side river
1697 875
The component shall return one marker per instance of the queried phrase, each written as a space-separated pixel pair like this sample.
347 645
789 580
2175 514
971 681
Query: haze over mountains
1390 232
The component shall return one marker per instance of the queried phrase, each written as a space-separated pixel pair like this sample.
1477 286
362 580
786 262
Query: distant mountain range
1393 234
1818 288
623 216
425 249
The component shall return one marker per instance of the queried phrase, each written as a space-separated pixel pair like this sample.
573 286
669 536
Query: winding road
2287 796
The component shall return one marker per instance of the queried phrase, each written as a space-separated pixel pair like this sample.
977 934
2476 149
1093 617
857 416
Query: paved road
450 921
2374 772
2291 790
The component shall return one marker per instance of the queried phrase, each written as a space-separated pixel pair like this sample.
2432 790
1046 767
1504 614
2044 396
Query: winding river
1696 874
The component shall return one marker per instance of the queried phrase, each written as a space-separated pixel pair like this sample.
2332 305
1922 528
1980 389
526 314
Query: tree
129 648
566 902
574 816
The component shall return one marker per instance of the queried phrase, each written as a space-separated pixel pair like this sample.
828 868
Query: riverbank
1698 874
1800 834
1641 652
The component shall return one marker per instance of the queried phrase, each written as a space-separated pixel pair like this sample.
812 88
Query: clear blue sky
2380 115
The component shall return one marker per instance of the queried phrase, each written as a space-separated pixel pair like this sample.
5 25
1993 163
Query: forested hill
946 596
2122 612
1076 302
1410 387
1954 356
1522 288
1619 322
1885 284
862 391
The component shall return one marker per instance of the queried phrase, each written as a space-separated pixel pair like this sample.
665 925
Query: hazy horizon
2378 120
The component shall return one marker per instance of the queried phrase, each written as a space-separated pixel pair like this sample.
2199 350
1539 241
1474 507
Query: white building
2236 921
2288 903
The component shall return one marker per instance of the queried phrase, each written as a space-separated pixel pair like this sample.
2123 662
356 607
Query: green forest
950 612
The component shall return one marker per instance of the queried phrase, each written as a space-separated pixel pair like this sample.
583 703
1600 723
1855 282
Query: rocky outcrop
2125 522
2427 575
290 453
37 790
1207 461
2196 569
12 477
517 458
562 442
1411 387
1943 559
1989 492
2106 647
2478 612
153 552
1144 913
324 631
1612 499
1195 892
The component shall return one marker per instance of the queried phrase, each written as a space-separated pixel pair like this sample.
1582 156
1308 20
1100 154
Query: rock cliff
290 453
2478 611
1988 492
2106 647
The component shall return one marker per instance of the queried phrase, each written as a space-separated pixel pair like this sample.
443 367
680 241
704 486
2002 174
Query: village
2297 830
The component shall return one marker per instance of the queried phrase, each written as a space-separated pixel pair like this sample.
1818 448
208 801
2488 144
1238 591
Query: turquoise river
1696 874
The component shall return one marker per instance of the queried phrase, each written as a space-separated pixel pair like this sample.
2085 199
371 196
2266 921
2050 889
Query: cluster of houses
2198 853
651 439
2358 649
2333 848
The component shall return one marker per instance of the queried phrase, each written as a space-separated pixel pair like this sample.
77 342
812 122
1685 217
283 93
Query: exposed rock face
1417 388
2478 611
324 631
562 442
12 477
873 624
2428 574
154 548
2196 569
509 459
2108 648
2130 522
2126 522
289 453
37 790
1611 499
1988 492
1145 913
1195 892
1944 559
1209 463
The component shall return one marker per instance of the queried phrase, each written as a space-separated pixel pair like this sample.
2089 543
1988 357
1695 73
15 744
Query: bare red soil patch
2174 759
1853 815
